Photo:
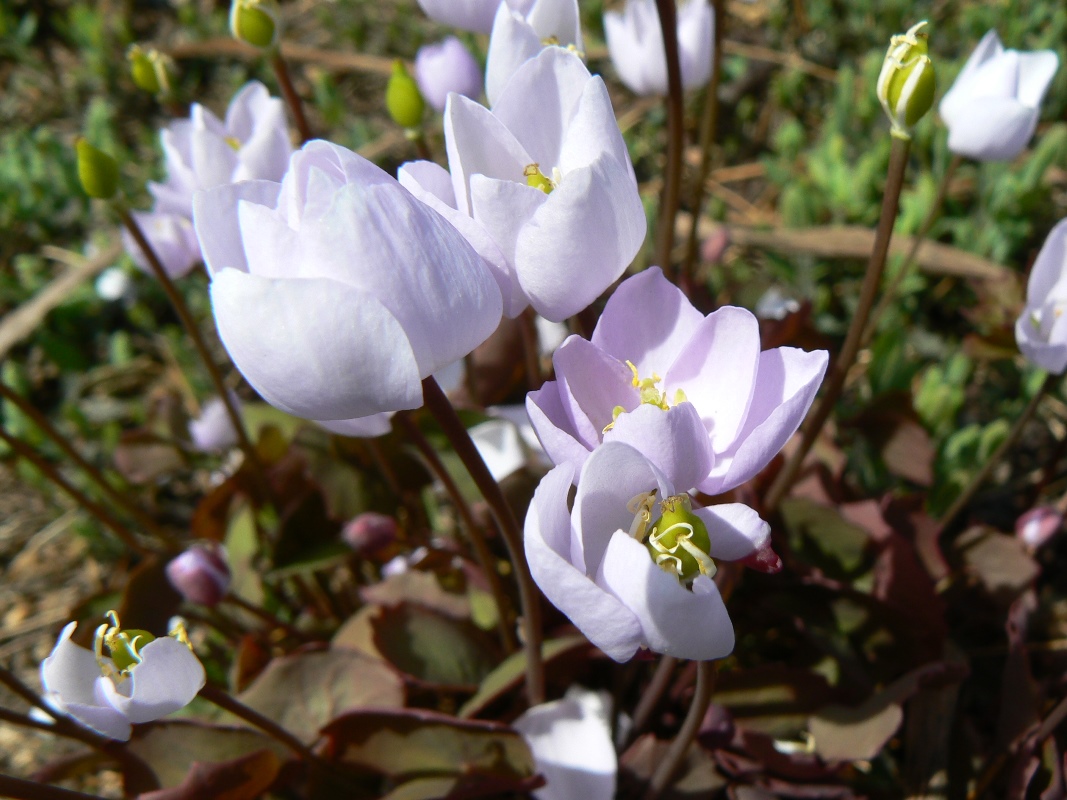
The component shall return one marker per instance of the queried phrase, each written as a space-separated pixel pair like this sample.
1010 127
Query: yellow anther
233 142
641 507
538 179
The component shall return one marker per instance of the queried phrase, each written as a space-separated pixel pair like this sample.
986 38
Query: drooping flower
469 15
213 429
635 43
693 393
632 564
1041 330
203 152
444 67
520 35
991 110
542 186
201 574
571 744
141 679
336 292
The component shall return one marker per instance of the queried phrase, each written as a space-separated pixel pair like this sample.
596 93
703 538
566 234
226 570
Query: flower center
233 142
678 541
124 646
538 179
649 394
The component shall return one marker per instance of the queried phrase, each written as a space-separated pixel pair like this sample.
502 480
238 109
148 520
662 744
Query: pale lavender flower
213 429
632 564
201 574
542 186
991 110
202 152
142 679
635 43
445 67
520 35
469 15
693 393
571 744
1038 526
336 292
1041 330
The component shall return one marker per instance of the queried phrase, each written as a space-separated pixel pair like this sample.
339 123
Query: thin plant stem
275 731
20 789
437 402
114 495
708 123
983 474
474 531
532 358
120 529
422 144
672 181
672 760
661 679
265 616
932 216
197 338
898 163
292 99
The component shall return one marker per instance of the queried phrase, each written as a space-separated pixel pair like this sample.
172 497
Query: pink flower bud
1038 525
370 533
447 67
201 574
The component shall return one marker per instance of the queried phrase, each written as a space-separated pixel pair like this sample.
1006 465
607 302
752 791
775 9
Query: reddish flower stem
672 178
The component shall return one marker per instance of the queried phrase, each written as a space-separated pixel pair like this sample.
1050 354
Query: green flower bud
907 83
149 70
254 22
403 98
679 542
97 171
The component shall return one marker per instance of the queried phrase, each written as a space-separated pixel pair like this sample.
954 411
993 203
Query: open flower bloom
336 292
204 151
444 67
143 678
635 43
991 110
693 393
632 564
542 186
571 744
1041 330
470 15
519 36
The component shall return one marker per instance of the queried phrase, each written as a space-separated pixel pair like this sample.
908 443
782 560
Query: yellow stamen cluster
538 180
649 394
124 646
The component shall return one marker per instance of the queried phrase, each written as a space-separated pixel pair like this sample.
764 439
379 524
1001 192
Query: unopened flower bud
907 83
447 67
403 99
97 171
254 22
201 575
370 533
1038 525
149 70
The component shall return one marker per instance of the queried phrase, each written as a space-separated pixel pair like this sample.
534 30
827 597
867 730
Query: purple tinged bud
1038 525
447 67
201 574
370 533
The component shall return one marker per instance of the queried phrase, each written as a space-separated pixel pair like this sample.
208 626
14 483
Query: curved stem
119 528
708 124
446 417
197 338
972 488
668 208
292 99
20 789
94 474
269 619
474 532
661 679
932 216
661 779
275 731
898 163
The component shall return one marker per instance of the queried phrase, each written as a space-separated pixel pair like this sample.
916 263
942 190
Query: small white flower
143 678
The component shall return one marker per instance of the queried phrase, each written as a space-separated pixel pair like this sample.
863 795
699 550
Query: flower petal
736 531
103 719
992 129
605 621
554 428
308 346
512 43
70 671
674 440
166 680
677 621
362 427
647 321
215 218
171 237
591 384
